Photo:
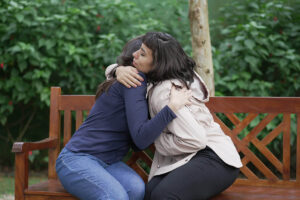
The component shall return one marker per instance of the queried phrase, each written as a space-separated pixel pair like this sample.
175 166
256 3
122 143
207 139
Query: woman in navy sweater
90 166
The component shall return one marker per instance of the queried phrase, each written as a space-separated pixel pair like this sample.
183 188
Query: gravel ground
7 197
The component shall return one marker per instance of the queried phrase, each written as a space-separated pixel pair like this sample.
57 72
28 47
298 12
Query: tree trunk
198 15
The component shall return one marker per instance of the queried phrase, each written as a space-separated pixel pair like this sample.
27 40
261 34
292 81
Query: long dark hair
125 59
169 59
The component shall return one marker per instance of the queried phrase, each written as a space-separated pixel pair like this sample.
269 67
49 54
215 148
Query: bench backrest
66 106
259 121
268 119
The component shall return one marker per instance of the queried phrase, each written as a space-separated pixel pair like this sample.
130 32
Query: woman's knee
120 194
136 189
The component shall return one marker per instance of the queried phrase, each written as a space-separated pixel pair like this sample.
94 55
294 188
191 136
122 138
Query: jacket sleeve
109 69
184 134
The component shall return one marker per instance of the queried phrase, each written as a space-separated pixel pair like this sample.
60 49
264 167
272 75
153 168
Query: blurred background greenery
46 43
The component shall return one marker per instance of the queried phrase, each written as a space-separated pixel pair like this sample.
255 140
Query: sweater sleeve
142 130
184 134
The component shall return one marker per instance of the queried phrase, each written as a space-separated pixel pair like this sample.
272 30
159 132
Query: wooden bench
263 176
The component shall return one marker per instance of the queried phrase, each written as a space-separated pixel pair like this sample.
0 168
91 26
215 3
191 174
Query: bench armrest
47 143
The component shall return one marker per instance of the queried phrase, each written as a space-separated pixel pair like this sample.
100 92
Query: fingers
179 98
131 79
138 77
189 97
185 94
134 73
135 78
128 76
125 83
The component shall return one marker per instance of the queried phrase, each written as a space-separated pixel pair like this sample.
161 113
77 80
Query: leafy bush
257 49
61 43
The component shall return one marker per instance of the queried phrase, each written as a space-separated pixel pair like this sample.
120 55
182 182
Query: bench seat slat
238 192
50 187
55 190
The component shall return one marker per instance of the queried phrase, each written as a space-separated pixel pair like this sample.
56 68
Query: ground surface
7 197
7 183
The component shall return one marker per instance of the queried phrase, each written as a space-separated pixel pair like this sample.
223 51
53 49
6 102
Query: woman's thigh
152 185
200 178
86 178
129 179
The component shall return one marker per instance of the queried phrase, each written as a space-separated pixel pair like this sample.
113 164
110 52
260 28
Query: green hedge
257 48
46 43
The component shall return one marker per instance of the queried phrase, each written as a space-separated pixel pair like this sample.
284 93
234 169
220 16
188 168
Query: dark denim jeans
89 178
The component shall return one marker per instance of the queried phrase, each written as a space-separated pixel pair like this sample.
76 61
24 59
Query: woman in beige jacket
194 159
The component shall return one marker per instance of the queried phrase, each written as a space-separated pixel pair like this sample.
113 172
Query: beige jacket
192 130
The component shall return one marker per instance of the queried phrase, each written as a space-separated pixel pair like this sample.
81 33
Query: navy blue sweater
118 118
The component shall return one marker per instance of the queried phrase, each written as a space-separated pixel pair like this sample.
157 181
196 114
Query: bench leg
21 175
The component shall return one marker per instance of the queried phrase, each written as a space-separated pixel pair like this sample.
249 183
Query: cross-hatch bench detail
252 123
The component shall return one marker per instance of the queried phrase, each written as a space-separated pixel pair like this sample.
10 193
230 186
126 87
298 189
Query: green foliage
67 44
257 49
174 15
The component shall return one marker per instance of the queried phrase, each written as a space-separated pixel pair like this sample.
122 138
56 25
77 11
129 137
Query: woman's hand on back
179 98
128 76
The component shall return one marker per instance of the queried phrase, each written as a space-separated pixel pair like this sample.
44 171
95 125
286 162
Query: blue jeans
89 178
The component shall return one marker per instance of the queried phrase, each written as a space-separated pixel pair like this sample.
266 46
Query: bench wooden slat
244 123
244 149
233 118
237 192
50 189
76 102
254 104
273 134
259 164
286 148
144 157
268 154
247 172
54 130
79 118
298 149
67 126
258 128
267 183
